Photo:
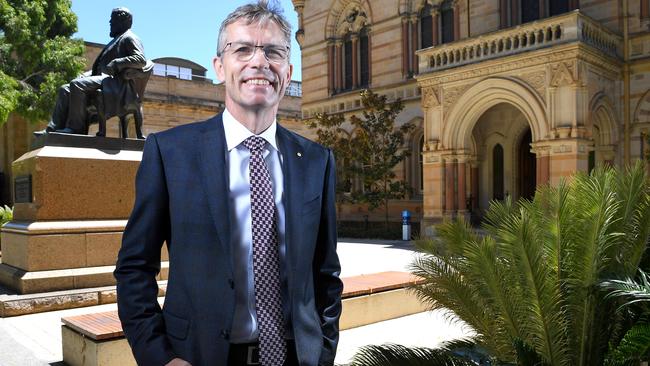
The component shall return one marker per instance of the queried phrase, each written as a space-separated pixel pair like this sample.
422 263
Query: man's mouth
258 82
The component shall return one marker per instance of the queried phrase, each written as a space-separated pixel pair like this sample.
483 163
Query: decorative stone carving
537 80
451 95
430 97
642 110
564 73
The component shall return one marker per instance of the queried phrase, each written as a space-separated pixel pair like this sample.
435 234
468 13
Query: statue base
72 202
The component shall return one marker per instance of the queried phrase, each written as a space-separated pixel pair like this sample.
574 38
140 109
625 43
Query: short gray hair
259 13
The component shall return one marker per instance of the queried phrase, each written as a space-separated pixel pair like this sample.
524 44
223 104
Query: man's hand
178 362
111 68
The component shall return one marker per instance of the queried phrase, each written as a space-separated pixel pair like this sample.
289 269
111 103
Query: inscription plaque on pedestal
23 189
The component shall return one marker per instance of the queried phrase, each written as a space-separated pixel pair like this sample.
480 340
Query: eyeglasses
245 51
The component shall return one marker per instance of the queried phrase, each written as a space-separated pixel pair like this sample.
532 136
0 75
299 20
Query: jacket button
225 334
231 283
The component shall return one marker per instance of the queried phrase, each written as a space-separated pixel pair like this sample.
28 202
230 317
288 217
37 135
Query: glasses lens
243 51
275 53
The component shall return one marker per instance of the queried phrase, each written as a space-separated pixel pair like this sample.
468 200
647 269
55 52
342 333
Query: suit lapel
214 175
293 160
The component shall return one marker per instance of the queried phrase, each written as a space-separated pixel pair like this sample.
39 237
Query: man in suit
247 210
124 51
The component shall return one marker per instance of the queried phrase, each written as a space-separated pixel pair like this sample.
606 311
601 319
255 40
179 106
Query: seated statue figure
123 52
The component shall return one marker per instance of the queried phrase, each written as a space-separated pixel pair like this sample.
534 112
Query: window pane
365 61
447 17
185 73
348 64
173 70
497 171
558 7
426 31
159 69
529 10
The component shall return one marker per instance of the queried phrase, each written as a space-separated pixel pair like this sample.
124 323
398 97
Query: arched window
347 53
497 173
426 27
349 56
447 22
364 57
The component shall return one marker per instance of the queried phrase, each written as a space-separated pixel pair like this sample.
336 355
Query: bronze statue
113 87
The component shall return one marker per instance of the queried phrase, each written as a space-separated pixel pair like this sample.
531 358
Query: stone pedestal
73 196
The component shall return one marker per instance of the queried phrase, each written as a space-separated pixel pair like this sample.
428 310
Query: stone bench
97 339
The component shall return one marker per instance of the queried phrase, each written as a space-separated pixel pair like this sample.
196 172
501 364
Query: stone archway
457 165
484 95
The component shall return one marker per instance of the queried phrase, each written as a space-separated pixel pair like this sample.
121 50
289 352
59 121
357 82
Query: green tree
330 133
378 147
36 55
530 283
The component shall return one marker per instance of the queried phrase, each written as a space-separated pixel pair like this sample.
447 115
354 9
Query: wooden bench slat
106 325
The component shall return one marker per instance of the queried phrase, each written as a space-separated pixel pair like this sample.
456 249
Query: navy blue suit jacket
182 199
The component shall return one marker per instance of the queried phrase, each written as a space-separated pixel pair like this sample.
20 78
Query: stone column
355 61
434 186
474 185
405 47
435 12
330 67
339 65
450 192
456 20
542 164
462 202
567 156
414 44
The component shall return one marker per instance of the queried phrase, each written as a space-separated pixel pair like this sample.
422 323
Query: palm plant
528 283
634 346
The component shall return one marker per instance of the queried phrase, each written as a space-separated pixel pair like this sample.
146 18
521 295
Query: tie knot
255 143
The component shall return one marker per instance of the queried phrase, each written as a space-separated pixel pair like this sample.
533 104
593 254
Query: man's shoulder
306 143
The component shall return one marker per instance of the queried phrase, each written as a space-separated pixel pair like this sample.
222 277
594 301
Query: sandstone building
506 94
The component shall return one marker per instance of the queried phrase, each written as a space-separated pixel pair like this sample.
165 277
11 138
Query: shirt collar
236 132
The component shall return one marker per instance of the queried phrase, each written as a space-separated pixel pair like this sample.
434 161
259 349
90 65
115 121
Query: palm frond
398 355
634 291
633 348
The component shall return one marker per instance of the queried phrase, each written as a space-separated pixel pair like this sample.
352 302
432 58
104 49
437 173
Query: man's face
258 83
118 25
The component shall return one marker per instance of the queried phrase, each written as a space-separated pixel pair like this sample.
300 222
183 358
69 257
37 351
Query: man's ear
218 68
290 73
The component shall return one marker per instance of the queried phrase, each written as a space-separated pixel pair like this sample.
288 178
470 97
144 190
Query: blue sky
186 29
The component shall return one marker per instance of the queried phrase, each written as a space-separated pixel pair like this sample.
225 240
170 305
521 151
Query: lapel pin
299 154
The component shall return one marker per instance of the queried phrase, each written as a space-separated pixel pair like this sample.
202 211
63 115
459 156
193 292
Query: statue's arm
134 56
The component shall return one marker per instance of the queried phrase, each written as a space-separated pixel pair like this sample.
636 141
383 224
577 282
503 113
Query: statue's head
121 21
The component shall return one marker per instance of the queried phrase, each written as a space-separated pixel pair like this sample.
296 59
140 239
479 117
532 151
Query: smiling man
247 210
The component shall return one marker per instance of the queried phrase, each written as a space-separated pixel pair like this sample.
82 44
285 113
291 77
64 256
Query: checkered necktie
266 259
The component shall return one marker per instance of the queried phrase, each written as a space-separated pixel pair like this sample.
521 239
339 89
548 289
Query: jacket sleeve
138 262
133 52
328 286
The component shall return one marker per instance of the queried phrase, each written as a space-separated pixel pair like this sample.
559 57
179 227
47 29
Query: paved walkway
35 340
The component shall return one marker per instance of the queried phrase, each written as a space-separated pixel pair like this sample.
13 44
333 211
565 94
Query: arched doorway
527 167
502 151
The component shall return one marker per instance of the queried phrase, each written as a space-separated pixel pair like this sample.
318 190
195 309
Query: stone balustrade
565 28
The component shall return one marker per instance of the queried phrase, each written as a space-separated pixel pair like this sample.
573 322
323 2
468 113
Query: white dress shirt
244 327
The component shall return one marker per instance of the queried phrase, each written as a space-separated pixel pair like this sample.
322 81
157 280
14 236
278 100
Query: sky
185 29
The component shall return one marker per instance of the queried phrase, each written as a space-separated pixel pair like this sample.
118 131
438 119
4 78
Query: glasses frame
262 48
